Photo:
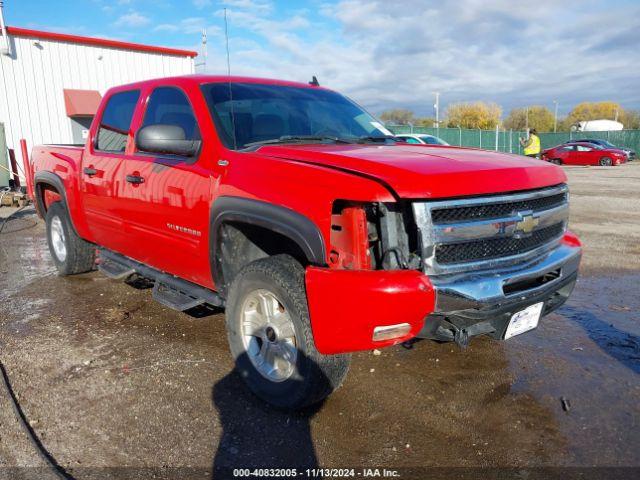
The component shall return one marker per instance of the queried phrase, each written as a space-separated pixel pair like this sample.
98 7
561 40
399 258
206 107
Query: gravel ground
113 382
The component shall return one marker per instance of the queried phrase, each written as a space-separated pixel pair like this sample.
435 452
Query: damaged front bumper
348 307
483 303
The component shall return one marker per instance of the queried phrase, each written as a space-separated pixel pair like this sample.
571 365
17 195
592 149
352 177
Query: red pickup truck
297 211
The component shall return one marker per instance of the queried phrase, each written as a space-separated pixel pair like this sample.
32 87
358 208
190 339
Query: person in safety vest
532 144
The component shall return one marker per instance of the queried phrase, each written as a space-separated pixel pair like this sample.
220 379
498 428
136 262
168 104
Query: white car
421 138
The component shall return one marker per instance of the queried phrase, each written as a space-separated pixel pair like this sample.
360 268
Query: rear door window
116 121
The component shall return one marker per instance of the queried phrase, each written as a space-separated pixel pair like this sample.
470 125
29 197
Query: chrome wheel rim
58 239
268 335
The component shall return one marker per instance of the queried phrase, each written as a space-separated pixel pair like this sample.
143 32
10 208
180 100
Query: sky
388 54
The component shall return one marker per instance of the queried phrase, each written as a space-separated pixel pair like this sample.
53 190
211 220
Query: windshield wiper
298 138
376 138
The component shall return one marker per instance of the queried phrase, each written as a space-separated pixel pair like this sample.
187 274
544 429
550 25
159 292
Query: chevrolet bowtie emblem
527 224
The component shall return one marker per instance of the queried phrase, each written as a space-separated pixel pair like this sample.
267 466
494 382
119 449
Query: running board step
115 270
169 290
172 298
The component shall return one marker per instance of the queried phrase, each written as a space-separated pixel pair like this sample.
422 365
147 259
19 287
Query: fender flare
49 178
52 179
289 223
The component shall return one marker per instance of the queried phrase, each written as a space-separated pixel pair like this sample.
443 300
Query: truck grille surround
490 232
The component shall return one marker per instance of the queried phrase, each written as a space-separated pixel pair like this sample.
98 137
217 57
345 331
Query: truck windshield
262 114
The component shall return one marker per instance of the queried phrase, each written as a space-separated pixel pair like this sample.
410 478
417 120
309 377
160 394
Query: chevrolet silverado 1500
298 212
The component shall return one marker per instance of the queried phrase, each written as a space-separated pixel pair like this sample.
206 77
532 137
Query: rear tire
606 162
271 339
70 253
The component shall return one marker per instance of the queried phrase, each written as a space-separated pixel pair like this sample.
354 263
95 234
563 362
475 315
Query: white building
51 83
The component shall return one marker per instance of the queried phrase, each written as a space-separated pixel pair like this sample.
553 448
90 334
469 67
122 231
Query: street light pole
436 106
555 117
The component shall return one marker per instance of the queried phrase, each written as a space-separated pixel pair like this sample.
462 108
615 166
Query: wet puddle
583 362
24 254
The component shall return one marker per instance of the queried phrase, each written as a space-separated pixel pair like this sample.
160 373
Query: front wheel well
239 244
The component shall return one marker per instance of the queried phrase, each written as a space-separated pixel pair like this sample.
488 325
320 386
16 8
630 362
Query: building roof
98 42
81 103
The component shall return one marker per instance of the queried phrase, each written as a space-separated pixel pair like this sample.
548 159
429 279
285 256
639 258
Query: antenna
233 116
314 82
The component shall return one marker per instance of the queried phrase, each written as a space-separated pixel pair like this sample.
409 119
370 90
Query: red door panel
164 200
99 184
565 154
167 215
101 164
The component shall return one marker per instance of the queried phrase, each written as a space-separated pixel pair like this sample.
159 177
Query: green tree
425 122
540 118
631 119
397 116
595 111
473 115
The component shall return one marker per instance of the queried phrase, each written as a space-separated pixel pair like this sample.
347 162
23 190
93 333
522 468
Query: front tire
270 336
606 162
70 253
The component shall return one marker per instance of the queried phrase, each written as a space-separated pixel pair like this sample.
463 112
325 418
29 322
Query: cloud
261 6
200 4
494 50
188 26
132 19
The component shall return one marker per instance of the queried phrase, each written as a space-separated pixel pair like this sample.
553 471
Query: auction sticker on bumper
524 320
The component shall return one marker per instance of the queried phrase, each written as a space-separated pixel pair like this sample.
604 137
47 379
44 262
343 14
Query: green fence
508 140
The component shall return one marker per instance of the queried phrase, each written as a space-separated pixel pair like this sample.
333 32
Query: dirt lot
111 379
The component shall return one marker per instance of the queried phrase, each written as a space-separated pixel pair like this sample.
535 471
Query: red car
298 212
583 153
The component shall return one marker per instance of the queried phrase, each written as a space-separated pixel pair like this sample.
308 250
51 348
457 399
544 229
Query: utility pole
555 117
204 48
6 50
436 106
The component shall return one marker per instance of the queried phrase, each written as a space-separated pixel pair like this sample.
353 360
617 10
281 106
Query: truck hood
419 171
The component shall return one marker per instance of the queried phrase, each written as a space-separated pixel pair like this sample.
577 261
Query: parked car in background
584 153
631 154
421 138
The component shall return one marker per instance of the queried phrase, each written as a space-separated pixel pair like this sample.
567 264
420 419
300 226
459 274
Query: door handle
135 179
90 171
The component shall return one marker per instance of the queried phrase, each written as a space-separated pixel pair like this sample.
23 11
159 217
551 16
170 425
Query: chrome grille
485 232
495 248
496 210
